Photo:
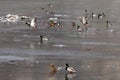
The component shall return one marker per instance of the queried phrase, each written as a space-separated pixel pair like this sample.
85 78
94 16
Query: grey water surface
94 54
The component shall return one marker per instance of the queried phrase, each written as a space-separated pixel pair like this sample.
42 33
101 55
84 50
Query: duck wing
71 69
60 68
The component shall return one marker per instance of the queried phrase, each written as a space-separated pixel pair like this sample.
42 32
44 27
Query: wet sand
95 54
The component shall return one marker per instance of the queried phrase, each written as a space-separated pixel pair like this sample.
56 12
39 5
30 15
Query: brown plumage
53 68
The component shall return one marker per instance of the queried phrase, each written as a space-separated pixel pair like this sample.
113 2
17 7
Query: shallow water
37 67
94 54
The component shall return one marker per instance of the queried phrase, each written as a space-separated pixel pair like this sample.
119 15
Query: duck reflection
52 73
69 76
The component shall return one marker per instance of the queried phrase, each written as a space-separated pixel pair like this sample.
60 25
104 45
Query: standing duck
69 69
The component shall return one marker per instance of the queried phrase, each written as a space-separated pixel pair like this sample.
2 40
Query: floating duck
43 39
32 23
50 5
55 68
69 69
93 15
10 18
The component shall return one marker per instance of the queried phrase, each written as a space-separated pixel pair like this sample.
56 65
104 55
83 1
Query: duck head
66 66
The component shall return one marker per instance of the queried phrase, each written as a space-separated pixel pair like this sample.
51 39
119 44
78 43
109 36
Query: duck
32 23
42 39
50 5
84 20
10 18
69 69
54 68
